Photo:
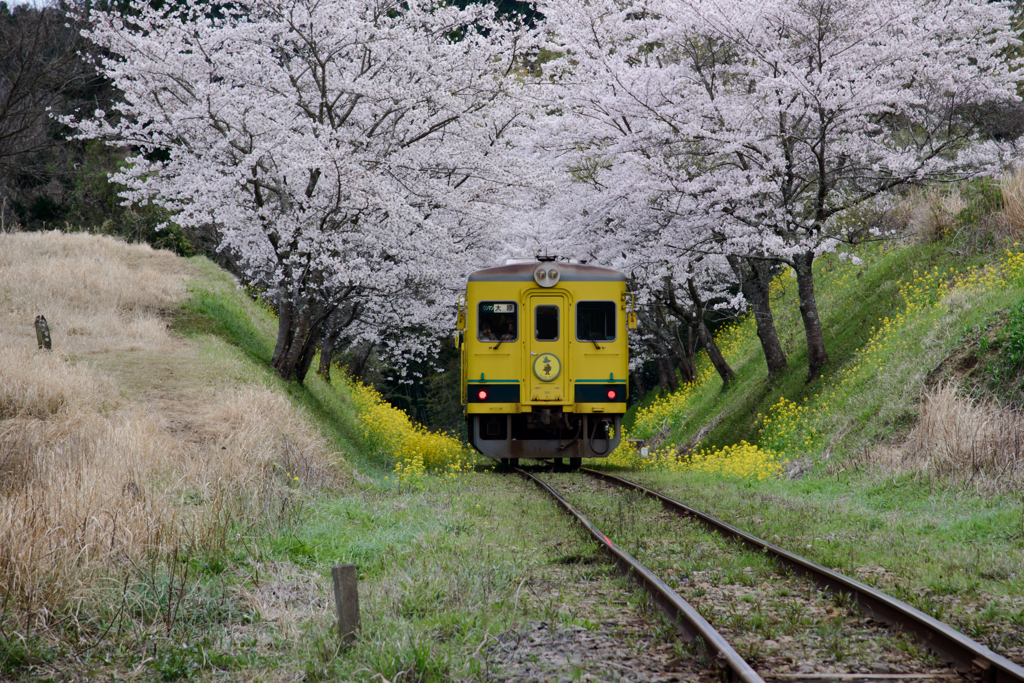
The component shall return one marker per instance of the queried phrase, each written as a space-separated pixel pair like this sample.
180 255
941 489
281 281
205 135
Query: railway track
967 656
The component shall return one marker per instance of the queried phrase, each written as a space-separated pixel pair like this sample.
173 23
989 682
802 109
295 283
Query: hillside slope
132 455
903 463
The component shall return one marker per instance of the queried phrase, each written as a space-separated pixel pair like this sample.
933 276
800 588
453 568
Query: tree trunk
717 359
327 354
691 349
638 383
341 323
755 281
289 359
687 352
313 336
816 355
694 318
662 344
285 309
667 375
683 359
306 357
358 368
673 380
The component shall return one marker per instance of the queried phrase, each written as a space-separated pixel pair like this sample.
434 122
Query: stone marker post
42 333
346 600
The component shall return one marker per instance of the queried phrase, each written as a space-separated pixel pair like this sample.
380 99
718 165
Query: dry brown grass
929 214
109 458
260 428
936 213
98 294
961 440
1012 188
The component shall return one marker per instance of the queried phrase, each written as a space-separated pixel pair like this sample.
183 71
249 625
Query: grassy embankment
143 474
903 463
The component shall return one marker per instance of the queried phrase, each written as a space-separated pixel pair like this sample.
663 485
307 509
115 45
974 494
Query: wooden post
42 333
346 600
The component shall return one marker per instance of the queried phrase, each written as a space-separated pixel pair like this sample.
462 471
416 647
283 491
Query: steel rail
688 620
953 646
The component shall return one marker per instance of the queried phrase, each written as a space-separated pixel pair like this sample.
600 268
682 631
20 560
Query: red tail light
482 395
611 393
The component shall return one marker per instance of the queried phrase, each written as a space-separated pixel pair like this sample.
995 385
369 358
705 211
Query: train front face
545 360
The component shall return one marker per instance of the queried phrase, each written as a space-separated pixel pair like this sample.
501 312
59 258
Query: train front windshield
498 321
595 321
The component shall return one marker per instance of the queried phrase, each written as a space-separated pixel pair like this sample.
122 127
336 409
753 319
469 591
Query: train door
548 346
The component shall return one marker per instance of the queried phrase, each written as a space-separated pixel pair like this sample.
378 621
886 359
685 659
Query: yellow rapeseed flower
416 450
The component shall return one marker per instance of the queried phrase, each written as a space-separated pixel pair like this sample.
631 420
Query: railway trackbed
761 612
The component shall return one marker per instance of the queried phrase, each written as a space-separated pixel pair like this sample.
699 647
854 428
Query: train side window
595 321
546 328
497 321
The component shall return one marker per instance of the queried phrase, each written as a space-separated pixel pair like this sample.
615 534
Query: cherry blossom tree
608 219
753 126
348 153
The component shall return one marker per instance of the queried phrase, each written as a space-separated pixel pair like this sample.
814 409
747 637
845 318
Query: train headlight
546 277
482 395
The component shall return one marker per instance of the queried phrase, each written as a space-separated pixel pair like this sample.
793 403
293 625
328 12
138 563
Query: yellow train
545 359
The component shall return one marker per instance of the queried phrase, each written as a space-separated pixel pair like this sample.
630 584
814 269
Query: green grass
920 542
997 346
852 300
750 598
18 652
448 568
952 550
217 309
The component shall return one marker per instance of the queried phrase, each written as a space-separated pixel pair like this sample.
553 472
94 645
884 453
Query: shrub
392 434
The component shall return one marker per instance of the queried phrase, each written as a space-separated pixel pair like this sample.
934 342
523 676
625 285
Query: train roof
568 272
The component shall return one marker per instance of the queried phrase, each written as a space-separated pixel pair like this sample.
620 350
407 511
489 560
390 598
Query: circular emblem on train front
547 367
